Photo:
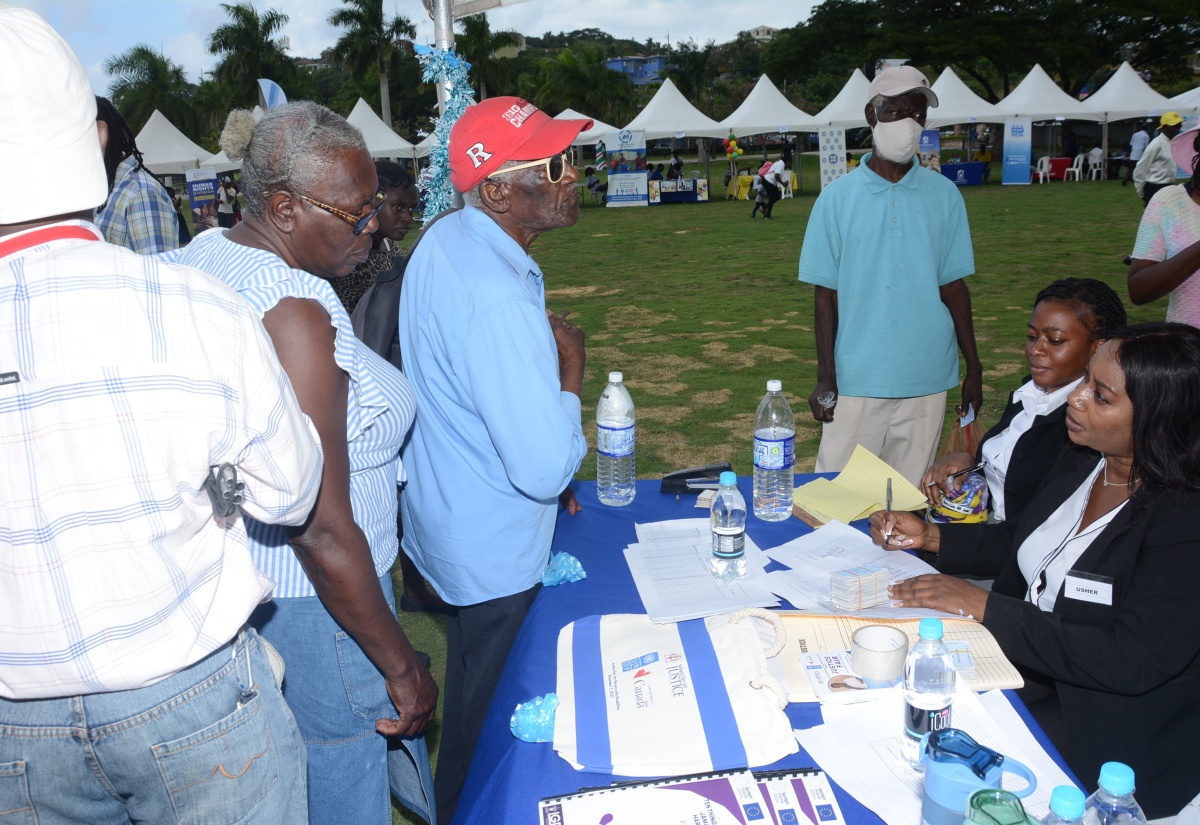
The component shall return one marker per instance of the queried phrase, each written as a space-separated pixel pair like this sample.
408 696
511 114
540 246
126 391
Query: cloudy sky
98 29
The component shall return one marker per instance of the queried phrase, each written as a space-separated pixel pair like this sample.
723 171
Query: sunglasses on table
359 223
555 165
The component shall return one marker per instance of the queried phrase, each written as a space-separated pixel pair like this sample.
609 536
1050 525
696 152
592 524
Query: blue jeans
184 750
337 694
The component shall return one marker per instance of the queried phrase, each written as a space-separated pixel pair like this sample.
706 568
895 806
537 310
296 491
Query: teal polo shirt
886 248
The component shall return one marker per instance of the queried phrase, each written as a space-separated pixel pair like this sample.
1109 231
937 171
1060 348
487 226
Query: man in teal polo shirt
887 248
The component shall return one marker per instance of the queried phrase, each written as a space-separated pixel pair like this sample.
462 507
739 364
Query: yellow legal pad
858 491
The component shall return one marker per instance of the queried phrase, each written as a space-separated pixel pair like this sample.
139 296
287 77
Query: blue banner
1018 151
930 150
627 176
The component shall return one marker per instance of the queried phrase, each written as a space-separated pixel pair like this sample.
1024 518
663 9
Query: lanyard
44 235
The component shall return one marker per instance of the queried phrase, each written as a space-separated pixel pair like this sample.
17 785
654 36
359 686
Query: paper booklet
857 491
790 797
835 682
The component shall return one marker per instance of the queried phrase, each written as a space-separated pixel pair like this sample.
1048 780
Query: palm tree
249 49
369 42
145 80
479 44
577 78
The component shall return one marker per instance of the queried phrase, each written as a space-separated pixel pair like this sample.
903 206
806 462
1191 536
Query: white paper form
859 747
671 568
834 547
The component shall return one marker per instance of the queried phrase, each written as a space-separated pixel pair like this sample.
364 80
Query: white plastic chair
785 186
1042 170
1076 169
1097 171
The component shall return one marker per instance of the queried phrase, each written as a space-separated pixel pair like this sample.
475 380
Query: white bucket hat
50 156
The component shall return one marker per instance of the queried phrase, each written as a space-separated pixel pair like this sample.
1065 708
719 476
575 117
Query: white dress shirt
1052 549
1157 164
997 451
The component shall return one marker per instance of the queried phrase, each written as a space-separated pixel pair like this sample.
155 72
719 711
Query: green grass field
699 306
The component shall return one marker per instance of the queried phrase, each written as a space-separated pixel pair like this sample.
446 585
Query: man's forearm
957 299
825 324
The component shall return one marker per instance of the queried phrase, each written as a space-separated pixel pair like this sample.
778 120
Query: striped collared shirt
122 380
139 214
379 406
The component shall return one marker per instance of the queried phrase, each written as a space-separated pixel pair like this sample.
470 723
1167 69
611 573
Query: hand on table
905 531
415 697
567 499
935 481
948 594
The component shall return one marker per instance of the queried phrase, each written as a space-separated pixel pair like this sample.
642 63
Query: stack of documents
858 491
671 565
859 587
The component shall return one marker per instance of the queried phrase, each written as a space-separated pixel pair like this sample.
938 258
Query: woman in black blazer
1071 318
1096 585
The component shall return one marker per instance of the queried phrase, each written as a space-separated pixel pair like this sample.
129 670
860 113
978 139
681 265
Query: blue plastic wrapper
563 567
533 721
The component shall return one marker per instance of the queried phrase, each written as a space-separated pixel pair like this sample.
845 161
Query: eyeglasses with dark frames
556 166
359 223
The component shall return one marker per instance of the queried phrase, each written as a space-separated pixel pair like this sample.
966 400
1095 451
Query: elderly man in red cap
498 381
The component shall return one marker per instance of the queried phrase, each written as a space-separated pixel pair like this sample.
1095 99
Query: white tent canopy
1187 103
588 136
382 142
668 114
221 163
1039 98
847 110
424 147
166 150
766 110
958 104
1125 95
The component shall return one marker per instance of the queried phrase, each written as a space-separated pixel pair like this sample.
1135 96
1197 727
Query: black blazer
1128 675
1035 453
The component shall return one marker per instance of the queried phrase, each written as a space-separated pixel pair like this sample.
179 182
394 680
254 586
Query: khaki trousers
904 432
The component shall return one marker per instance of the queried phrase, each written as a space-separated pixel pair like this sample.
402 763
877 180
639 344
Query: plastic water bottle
616 444
929 679
1113 802
1066 806
774 455
728 530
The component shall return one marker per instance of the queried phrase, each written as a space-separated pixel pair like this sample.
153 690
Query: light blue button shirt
887 248
495 440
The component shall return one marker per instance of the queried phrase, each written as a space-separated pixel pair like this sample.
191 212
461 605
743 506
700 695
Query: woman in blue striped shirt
352 679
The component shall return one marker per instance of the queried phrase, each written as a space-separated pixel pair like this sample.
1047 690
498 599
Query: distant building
512 51
641 70
763 34
314 63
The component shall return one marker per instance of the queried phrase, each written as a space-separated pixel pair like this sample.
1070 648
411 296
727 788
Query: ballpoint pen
973 469
887 514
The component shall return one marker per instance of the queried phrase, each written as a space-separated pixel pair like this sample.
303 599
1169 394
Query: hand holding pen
947 475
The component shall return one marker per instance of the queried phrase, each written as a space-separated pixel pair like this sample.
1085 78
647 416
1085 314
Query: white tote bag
644 699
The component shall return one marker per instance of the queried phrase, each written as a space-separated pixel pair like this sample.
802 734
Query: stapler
695 479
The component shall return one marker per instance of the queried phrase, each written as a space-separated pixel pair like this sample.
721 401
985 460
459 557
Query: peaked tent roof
382 142
589 136
1125 95
766 110
1039 98
1187 103
958 104
424 147
846 111
221 163
166 150
668 113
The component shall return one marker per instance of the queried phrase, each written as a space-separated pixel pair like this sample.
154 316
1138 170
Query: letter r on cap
477 155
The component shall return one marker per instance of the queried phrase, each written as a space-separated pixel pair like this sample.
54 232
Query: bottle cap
1116 778
615 378
930 629
728 479
1067 801
774 385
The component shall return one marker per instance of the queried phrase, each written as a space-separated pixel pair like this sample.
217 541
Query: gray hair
472 197
291 147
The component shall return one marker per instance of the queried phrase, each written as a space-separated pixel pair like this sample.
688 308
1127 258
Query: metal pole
443 38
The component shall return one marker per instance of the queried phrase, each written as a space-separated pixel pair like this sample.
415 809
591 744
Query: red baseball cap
500 129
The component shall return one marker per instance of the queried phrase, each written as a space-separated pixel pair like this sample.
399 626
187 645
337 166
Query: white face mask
897 141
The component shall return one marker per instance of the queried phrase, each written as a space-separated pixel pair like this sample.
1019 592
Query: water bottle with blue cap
1113 802
929 679
1066 806
728 530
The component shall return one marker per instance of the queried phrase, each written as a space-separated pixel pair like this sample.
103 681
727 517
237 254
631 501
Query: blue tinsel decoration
440 65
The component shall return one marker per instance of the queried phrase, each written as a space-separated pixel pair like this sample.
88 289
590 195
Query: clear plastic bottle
1113 802
1066 806
774 455
728 530
929 679
616 444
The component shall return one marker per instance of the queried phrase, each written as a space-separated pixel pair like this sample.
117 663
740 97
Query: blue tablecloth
508 776
964 174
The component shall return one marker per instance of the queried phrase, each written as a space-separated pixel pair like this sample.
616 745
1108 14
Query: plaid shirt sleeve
139 215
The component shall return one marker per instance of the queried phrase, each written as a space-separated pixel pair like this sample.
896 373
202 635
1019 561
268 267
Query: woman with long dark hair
1095 597
1166 256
